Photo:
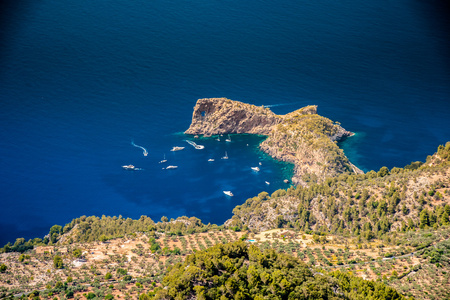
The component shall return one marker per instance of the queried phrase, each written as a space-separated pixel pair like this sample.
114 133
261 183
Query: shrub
58 262
3 268
127 277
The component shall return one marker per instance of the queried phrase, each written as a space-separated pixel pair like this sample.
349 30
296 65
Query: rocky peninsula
302 137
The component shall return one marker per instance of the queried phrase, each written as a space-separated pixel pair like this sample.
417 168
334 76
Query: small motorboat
171 167
129 167
143 149
267 182
228 193
198 147
211 159
256 169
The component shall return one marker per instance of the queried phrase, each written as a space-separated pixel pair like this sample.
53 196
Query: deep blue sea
80 80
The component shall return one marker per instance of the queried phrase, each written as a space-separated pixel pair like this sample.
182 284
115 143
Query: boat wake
137 146
281 104
198 147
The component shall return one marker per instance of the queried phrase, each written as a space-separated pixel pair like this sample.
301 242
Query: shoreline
301 137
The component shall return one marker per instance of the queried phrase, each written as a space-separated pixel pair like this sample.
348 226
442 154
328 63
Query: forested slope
365 205
239 271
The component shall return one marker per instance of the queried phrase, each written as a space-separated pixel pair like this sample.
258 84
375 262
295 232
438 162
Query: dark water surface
79 80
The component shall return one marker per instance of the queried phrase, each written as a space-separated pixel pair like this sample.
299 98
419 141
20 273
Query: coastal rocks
220 115
302 137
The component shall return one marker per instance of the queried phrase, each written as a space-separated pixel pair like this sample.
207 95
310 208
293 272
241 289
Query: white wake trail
137 146
281 104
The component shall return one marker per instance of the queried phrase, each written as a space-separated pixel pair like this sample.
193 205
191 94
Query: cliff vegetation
302 137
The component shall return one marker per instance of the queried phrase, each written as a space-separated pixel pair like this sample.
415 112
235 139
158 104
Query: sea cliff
302 137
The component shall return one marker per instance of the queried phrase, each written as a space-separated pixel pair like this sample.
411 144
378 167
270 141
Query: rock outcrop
301 137
220 115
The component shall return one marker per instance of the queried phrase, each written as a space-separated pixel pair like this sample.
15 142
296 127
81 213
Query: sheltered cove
302 137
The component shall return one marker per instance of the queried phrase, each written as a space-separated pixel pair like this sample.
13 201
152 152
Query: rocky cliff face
220 115
301 137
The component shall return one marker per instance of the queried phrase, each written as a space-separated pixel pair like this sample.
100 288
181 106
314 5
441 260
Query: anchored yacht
228 193
129 167
176 148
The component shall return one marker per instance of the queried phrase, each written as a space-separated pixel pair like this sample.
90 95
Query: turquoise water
80 80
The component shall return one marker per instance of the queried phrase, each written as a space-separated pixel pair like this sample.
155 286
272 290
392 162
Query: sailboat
228 139
226 155
164 160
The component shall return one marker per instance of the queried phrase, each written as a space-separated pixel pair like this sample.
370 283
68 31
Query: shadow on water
10 11
436 14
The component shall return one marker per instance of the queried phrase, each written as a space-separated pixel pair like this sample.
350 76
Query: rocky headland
302 137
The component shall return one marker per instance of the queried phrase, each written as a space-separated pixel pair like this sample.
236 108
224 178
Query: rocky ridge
301 137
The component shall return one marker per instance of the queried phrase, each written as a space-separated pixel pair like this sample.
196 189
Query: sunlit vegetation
366 206
239 271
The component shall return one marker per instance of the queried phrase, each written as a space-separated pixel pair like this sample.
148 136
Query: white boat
198 147
211 159
129 167
218 139
171 167
228 193
226 155
176 148
267 182
228 139
260 163
256 169
164 160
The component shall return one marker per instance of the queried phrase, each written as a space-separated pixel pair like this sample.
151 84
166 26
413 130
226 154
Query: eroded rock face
301 137
220 115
